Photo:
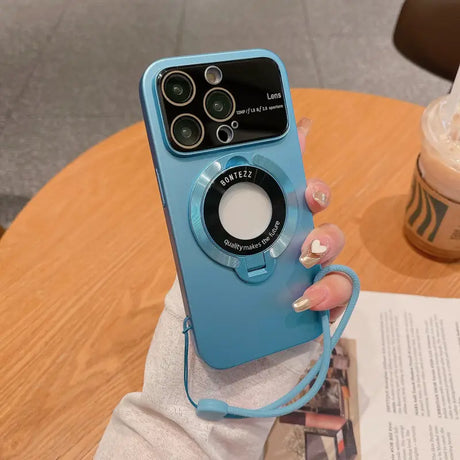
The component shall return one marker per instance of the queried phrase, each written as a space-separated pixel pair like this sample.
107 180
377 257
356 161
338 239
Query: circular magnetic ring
214 226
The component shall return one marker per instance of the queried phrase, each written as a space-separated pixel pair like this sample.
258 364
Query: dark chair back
428 34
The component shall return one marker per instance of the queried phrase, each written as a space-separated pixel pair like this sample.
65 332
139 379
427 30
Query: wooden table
85 267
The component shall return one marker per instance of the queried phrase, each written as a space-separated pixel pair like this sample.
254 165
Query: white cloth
160 423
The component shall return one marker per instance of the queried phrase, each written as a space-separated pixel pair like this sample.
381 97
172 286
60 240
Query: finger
317 195
322 245
303 126
332 291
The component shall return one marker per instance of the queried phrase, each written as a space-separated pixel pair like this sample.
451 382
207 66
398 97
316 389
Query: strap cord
215 409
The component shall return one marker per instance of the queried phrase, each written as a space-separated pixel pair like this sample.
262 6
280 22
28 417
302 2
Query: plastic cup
432 219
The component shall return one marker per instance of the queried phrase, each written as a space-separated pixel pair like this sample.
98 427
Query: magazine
392 390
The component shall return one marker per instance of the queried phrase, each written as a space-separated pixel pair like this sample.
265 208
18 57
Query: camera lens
225 134
213 75
187 131
178 88
219 104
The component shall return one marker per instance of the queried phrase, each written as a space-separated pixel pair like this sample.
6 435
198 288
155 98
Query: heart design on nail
317 247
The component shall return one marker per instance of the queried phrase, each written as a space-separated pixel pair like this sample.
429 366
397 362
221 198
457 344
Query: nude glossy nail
301 304
321 198
304 124
312 297
308 259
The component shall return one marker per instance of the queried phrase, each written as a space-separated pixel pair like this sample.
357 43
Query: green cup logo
432 221
425 212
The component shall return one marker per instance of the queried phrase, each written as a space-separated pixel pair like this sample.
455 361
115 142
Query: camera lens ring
232 100
213 75
199 124
227 132
187 77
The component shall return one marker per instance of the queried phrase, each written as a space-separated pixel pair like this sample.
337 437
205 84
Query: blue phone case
240 306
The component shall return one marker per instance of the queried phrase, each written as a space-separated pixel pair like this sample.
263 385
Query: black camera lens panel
178 88
248 96
187 131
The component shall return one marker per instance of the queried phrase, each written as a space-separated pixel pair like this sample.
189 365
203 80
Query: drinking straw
451 112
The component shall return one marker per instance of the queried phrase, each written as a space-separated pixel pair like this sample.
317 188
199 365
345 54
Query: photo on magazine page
327 427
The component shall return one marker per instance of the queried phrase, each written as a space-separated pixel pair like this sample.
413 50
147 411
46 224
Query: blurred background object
428 33
69 70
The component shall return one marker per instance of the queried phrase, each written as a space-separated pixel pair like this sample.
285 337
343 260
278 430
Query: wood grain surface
85 266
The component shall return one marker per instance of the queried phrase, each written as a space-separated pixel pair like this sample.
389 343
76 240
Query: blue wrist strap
214 409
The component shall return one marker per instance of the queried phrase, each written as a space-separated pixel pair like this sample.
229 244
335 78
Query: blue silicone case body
233 321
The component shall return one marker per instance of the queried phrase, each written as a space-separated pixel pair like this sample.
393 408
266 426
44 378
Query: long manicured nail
304 125
313 254
301 304
321 198
313 296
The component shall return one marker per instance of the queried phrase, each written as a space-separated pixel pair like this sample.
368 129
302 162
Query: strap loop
187 325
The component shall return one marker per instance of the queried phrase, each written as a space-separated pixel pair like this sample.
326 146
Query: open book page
407 352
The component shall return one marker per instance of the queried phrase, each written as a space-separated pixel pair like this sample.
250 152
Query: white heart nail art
317 247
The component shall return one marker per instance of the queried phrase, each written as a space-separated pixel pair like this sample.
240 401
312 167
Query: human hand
322 246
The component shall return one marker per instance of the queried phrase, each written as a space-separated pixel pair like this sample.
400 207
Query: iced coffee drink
432 220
